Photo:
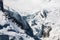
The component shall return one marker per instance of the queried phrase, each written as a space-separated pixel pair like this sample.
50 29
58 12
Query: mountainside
30 20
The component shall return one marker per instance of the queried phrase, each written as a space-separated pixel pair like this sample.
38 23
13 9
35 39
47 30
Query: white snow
33 8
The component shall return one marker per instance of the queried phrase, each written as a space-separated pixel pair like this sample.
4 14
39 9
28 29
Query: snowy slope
31 5
7 27
36 16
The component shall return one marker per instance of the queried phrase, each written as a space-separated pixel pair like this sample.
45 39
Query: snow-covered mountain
30 20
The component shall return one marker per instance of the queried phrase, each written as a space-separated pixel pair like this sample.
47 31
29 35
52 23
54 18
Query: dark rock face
21 22
44 15
13 30
34 22
1 26
4 37
1 5
13 38
46 30
21 38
